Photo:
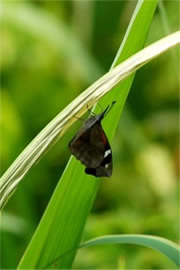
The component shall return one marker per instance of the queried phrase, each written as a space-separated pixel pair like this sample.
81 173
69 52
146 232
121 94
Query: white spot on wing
108 152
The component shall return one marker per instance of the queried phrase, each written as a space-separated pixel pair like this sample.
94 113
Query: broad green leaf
166 247
61 227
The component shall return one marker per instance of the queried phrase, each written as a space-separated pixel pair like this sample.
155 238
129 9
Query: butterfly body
91 147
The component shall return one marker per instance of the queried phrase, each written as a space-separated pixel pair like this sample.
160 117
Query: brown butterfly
91 146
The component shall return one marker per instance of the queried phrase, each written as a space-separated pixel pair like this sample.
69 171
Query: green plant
62 225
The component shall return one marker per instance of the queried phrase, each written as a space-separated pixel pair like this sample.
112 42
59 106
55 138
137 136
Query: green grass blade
57 127
166 247
61 227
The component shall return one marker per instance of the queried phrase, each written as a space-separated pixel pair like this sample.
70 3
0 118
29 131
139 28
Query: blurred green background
50 52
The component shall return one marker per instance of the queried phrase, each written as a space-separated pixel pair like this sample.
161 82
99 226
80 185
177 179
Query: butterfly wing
87 147
105 166
92 148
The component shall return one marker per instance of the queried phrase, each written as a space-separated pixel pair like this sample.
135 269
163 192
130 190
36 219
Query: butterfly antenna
90 111
109 107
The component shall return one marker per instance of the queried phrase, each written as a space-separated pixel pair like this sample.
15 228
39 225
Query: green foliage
164 246
38 81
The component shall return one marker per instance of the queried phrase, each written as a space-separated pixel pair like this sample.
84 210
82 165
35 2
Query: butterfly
91 146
